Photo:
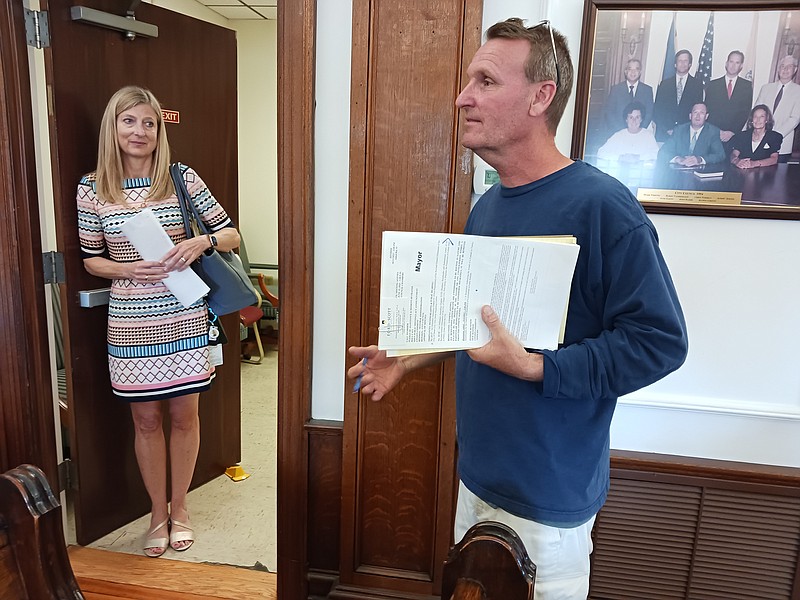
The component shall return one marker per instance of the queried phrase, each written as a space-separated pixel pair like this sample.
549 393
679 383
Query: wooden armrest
35 554
272 298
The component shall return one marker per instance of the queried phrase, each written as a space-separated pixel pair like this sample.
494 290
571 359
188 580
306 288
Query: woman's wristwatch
212 241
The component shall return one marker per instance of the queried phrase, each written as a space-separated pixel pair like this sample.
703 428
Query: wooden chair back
33 557
490 563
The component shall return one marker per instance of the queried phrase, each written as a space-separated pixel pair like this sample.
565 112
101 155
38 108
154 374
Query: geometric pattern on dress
152 350
211 211
159 370
158 305
99 223
159 333
145 319
151 322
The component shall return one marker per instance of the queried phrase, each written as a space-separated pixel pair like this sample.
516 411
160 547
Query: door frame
27 418
296 59
30 435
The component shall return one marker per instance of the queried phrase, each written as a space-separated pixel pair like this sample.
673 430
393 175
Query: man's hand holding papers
433 287
504 352
447 292
377 374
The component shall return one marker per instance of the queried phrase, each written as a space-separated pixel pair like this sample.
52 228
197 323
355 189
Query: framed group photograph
697 110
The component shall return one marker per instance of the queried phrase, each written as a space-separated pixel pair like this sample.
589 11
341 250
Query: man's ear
542 97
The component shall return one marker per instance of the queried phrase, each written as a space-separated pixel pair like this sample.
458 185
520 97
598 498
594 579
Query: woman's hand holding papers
504 352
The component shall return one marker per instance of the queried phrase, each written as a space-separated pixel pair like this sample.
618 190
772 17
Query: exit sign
170 116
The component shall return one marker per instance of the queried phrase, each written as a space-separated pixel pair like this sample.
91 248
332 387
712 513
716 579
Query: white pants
561 556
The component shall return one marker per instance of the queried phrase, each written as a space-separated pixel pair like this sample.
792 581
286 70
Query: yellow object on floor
236 472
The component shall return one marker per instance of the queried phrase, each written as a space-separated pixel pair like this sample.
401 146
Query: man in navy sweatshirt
533 425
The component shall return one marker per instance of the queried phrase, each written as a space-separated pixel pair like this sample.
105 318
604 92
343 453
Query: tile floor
235 522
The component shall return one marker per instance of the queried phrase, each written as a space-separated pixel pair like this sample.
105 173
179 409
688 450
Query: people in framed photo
666 103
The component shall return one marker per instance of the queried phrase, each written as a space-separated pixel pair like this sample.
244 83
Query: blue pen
357 385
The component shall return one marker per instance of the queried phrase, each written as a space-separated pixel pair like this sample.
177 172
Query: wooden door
191 68
407 172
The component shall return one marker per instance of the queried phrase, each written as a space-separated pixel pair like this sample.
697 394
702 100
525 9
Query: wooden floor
105 575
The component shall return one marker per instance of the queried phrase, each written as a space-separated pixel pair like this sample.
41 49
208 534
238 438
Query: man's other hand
375 373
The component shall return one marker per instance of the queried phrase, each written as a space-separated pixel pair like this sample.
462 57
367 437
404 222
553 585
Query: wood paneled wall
673 527
407 172
676 527
296 39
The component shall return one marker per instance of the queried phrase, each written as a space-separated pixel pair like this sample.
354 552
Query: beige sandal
181 536
155 547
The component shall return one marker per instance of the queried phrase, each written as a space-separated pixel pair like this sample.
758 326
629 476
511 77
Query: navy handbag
223 272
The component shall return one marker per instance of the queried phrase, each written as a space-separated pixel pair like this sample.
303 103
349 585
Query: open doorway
235 512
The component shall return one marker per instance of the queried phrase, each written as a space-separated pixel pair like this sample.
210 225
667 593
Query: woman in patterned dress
157 348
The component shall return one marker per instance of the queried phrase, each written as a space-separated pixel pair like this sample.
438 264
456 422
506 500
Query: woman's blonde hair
109 175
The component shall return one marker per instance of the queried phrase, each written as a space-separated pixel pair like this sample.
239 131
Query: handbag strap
188 209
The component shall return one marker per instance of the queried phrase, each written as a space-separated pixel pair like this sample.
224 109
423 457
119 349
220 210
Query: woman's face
634 121
759 119
137 131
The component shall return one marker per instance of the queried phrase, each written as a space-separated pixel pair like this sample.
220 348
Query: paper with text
152 242
433 286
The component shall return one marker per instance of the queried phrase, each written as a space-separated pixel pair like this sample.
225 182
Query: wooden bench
33 558
490 563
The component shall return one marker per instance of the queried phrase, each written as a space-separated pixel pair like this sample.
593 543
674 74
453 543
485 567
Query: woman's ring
147 277
183 259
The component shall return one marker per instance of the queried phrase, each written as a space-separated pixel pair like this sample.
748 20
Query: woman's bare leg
183 448
151 454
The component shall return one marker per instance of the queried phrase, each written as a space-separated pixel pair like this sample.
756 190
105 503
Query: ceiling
244 9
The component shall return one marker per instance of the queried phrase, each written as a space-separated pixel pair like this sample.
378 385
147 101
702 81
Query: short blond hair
540 64
109 159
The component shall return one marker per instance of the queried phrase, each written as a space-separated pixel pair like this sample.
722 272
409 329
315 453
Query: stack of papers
151 242
433 286
708 174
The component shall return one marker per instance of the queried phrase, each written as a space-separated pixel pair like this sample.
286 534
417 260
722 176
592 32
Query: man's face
734 64
682 64
632 72
787 70
634 121
698 115
497 98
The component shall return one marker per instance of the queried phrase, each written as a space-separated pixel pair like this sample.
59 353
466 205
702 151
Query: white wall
331 180
738 395
256 45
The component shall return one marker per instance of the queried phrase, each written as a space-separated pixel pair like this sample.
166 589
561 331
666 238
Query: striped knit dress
157 348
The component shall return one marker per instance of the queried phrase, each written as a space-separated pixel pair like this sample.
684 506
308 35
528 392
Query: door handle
92 298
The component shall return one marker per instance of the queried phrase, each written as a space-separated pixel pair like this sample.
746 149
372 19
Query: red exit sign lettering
170 116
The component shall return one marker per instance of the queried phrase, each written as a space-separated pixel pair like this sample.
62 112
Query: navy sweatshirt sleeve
643 336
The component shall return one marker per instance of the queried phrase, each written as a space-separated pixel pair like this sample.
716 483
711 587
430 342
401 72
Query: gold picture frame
617 35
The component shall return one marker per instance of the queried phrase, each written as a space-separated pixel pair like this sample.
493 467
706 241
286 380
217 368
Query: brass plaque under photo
689 196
